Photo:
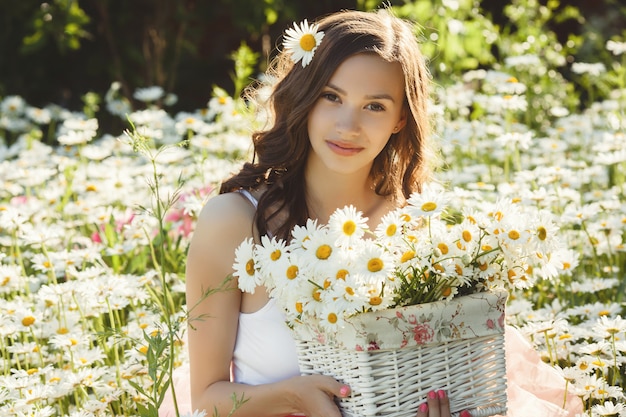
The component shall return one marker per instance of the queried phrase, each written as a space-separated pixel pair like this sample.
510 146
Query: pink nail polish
423 408
344 391
432 395
441 394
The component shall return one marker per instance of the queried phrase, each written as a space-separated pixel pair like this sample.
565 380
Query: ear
401 123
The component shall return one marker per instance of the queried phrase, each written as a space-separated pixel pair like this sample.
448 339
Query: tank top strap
247 194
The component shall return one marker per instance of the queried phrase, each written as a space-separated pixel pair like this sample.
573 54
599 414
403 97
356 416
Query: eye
377 107
330 97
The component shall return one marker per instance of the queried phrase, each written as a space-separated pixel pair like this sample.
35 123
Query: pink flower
95 237
412 319
423 333
373 345
501 321
491 324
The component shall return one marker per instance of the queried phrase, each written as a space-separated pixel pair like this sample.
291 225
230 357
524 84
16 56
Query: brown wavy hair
280 152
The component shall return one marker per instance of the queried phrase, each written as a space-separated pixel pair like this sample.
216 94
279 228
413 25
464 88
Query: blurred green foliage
67 51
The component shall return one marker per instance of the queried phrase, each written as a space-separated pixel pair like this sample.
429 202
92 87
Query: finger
422 410
331 386
433 405
444 403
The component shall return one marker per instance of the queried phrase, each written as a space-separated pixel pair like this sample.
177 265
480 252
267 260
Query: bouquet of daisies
426 251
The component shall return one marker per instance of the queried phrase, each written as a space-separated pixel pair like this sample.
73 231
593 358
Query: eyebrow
382 96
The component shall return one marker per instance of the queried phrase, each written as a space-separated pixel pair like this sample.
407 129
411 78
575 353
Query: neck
330 191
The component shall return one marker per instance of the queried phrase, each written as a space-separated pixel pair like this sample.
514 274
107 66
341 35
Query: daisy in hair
347 225
301 41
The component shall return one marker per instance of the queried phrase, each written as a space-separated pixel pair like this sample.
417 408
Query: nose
348 122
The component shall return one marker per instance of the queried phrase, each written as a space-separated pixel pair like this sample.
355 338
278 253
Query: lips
343 148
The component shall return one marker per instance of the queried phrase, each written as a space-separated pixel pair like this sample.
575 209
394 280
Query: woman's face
356 113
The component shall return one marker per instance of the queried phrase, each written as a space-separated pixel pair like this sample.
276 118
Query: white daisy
429 202
149 94
302 41
245 267
347 225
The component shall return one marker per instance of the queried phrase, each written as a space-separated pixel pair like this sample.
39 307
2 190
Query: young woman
350 126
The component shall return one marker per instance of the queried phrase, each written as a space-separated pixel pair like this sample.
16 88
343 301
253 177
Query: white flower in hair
302 41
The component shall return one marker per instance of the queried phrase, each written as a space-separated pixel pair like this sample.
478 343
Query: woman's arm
223 224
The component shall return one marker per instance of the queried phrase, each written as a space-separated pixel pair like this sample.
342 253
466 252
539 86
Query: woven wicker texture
395 382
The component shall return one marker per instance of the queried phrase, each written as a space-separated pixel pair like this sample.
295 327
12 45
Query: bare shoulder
224 222
229 207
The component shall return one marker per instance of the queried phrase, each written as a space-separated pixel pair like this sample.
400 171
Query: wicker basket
391 359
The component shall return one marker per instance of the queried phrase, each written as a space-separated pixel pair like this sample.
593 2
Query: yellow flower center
332 318
307 42
299 307
407 256
350 290
28 321
375 265
542 233
317 295
341 274
292 272
323 252
391 230
467 235
446 291
443 248
376 300
276 255
250 267
349 228
429 206
514 235
63 330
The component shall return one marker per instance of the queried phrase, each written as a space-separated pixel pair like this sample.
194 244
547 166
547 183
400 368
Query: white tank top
265 351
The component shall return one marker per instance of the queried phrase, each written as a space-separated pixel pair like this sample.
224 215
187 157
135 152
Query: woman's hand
438 405
314 395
